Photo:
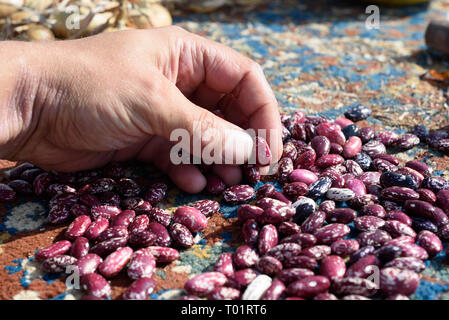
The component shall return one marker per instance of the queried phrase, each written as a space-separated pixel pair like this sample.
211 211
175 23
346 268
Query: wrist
22 79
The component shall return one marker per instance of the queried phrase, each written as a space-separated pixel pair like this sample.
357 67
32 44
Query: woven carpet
319 57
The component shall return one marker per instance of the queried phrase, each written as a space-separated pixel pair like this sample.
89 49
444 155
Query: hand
79 104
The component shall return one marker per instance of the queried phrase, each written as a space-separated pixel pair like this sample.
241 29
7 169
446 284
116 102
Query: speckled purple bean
374 210
269 265
354 286
360 201
58 263
113 232
250 232
224 264
140 223
353 167
341 215
156 193
331 233
290 275
57 248
163 254
142 264
288 228
397 229
125 218
289 151
265 191
413 250
303 175
345 247
318 252
275 211
275 291
79 210
305 160
420 166
115 262
142 239
373 148
224 293
215 184
368 223
427 195
352 146
242 278
238 193
106 247
105 211
96 285
364 267
387 137
78 227
245 257
382 165
181 235
321 145
285 168
357 186
304 239
407 263
300 261
285 251
327 206
206 207
314 222
140 289
333 267
309 286
88 264
80 247
268 238
329 160
59 214
192 218
96 228
430 242
295 189
398 281
399 216
374 238
362 252
370 177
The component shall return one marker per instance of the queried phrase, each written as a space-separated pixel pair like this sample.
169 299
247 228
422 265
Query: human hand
117 96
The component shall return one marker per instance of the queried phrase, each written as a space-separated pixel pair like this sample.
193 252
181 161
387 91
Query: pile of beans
114 225
350 222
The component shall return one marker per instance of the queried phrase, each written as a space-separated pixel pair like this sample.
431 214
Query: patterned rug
319 57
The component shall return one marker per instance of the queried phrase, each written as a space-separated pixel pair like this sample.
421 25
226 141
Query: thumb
197 131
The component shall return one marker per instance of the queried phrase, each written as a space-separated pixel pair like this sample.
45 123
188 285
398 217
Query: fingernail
238 147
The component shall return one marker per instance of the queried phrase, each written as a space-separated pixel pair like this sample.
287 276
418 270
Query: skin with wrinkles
75 105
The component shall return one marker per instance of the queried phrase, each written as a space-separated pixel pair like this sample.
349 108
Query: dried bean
96 285
53 250
181 235
398 281
88 264
237 194
140 289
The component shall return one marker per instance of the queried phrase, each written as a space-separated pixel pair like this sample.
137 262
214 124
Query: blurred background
38 20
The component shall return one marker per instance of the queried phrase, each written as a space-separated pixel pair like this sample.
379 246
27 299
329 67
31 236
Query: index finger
227 71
